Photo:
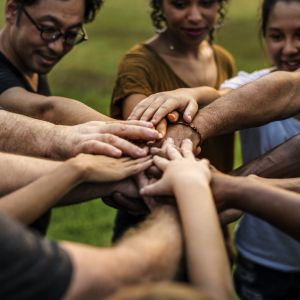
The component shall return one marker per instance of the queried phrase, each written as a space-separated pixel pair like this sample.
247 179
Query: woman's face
283 35
189 21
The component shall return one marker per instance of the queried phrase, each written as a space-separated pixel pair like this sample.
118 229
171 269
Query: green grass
87 73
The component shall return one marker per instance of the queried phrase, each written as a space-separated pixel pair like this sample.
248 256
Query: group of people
175 96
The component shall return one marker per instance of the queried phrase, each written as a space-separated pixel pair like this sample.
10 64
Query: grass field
88 74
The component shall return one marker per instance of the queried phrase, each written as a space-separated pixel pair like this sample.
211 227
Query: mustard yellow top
143 71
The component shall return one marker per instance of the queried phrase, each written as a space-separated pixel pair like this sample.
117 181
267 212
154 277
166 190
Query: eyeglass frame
58 32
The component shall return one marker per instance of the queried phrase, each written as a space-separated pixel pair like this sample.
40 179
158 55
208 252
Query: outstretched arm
142 255
188 179
77 271
279 207
54 109
275 96
30 202
23 135
280 162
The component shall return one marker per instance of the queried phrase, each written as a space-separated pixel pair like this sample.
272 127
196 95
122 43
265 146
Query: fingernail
160 136
140 151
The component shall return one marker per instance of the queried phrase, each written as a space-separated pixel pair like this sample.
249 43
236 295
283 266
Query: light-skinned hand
179 165
157 106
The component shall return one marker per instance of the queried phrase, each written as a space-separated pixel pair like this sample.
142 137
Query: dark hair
266 9
158 18
91 7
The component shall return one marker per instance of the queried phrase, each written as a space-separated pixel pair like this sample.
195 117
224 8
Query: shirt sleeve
243 78
134 77
8 78
31 268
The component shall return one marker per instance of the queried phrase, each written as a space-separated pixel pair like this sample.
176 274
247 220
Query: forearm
280 162
206 255
65 111
23 135
142 255
278 207
290 184
270 98
204 95
31 201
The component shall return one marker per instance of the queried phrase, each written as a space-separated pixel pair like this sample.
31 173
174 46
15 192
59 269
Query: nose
194 14
290 47
58 46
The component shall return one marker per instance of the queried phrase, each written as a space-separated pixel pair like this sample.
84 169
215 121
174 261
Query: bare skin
56 184
272 198
23 135
188 180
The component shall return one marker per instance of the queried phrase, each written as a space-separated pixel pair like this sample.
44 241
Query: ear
11 11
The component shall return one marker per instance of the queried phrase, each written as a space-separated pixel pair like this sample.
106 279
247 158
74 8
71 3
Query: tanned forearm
30 202
150 252
23 135
279 207
272 97
280 162
65 111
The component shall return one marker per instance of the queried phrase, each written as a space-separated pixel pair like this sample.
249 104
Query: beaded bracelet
193 127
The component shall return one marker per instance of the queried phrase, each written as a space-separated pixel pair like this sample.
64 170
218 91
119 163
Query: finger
138 123
198 151
190 111
187 149
166 108
173 153
138 168
173 117
125 146
140 108
161 162
162 127
133 132
98 147
153 189
157 102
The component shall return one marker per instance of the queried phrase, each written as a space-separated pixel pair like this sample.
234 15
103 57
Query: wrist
58 146
79 169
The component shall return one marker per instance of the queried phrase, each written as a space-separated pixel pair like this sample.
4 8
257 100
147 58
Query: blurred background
88 72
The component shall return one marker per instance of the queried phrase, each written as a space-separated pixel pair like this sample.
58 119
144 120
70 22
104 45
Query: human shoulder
243 78
9 75
141 55
223 54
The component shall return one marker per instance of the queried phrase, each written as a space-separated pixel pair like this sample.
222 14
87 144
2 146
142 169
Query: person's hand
124 195
178 133
106 138
179 166
100 168
156 107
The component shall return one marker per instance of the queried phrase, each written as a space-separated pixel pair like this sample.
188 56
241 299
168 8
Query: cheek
273 50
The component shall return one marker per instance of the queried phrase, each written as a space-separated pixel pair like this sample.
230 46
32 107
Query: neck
177 48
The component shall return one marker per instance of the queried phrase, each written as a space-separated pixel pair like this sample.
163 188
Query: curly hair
158 19
91 7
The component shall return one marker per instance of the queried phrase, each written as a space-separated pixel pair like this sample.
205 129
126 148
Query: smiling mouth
195 31
48 60
291 65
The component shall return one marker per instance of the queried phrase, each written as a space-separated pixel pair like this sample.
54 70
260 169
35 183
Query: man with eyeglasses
37 34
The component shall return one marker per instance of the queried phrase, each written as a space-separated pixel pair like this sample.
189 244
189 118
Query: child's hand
180 166
99 168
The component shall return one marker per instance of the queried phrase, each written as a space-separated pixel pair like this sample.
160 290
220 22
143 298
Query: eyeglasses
70 38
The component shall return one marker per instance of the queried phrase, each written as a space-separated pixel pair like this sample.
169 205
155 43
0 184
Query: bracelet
193 127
